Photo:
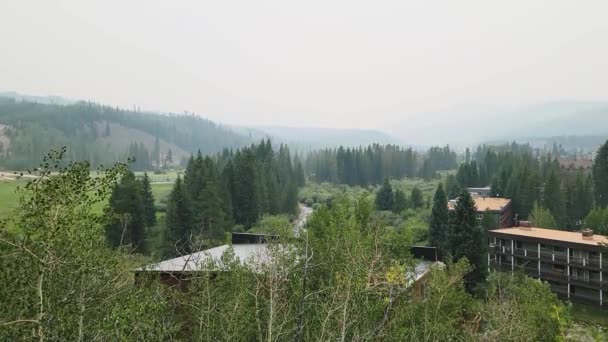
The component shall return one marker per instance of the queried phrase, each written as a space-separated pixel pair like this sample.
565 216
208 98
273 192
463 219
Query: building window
559 268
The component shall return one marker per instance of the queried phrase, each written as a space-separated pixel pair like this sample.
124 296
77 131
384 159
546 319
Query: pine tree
148 201
438 227
553 198
385 197
299 173
489 221
400 201
467 239
416 199
126 208
600 176
452 187
179 223
169 159
156 152
542 218
214 221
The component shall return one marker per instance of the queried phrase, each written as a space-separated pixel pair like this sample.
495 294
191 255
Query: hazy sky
365 64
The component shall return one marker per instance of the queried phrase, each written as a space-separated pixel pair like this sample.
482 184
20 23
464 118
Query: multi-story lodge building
501 208
571 262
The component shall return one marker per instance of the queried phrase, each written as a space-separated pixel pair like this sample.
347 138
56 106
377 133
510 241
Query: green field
9 197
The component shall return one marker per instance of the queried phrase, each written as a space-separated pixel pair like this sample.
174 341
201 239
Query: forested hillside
372 164
535 182
104 135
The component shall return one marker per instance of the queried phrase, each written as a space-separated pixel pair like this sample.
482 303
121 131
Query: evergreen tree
126 208
299 173
385 197
489 221
597 219
542 218
400 201
169 159
416 199
452 188
245 193
467 239
553 198
600 176
148 201
179 223
438 227
156 152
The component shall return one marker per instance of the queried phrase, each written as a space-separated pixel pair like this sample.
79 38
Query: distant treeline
234 188
517 172
374 163
34 128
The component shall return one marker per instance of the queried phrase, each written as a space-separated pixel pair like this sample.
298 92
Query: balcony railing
555 276
586 281
585 262
526 252
585 298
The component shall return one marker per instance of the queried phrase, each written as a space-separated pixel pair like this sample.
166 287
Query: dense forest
103 134
534 181
229 191
374 163
348 278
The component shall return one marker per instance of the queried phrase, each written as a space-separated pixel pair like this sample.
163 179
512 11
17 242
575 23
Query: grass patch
589 314
9 198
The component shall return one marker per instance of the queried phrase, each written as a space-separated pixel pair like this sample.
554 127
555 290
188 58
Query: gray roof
422 268
211 259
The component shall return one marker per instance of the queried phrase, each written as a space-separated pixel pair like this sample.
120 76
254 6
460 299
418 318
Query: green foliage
523 309
372 164
400 201
148 201
438 227
385 196
127 226
467 238
84 127
578 195
542 218
597 219
60 282
444 313
416 199
273 224
179 230
489 221
553 198
600 176
517 172
349 278
452 187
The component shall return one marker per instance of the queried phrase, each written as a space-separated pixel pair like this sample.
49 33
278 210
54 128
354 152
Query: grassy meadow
9 195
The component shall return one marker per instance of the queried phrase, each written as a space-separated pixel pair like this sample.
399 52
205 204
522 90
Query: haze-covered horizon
418 71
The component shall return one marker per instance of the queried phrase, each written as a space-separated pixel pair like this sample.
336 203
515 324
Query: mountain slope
471 125
103 134
313 138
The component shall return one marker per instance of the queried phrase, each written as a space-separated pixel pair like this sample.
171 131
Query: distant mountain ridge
310 138
473 125
103 134
51 99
